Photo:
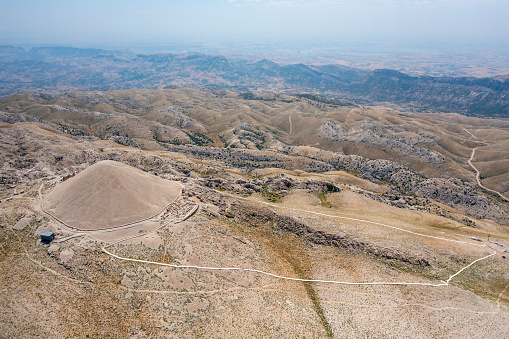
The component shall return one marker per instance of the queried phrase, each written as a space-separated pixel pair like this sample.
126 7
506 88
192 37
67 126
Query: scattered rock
22 223
66 255
53 249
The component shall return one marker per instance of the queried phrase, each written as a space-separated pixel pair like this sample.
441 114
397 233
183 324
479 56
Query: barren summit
109 194
295 220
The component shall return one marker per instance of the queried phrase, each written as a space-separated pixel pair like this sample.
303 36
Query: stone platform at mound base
109 194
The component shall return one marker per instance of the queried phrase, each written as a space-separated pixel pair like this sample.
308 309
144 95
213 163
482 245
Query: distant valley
59 69
189 195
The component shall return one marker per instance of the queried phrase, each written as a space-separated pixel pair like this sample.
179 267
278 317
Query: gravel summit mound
109 194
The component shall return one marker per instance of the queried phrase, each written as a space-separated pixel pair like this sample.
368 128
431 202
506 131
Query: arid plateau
187 213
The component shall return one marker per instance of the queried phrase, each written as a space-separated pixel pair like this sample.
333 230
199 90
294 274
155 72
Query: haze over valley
254 169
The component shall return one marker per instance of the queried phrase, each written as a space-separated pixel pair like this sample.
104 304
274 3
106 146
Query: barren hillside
297 218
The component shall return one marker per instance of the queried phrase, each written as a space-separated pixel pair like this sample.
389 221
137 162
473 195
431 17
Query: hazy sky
134 21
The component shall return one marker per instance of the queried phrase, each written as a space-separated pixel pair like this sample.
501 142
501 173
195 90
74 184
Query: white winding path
442 283
478 176
360 220
291 124
466 130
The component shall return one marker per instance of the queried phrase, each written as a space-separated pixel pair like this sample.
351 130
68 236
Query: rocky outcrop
469 96
252 159
256 217
18 117
279 185
456 193
402 180
397 138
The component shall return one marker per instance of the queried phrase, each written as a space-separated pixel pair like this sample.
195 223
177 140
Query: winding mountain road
291 124
478 177
352 219
477 173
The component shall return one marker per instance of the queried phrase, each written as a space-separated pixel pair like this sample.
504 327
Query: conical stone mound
109 194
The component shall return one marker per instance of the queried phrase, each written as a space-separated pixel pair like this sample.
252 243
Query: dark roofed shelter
47 236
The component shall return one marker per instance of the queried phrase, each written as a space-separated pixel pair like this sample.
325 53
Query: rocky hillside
288 210
411 156
470 96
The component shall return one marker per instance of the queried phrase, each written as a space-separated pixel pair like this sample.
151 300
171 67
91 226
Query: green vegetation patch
199 138
323 199
271 196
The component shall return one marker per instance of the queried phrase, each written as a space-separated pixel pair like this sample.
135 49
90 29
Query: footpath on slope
478 177
477 173
174 221
442 282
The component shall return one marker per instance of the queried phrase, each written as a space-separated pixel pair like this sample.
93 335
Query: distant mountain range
59 69
470 96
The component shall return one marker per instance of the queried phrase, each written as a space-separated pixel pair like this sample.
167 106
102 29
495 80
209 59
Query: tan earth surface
109 194
276 210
